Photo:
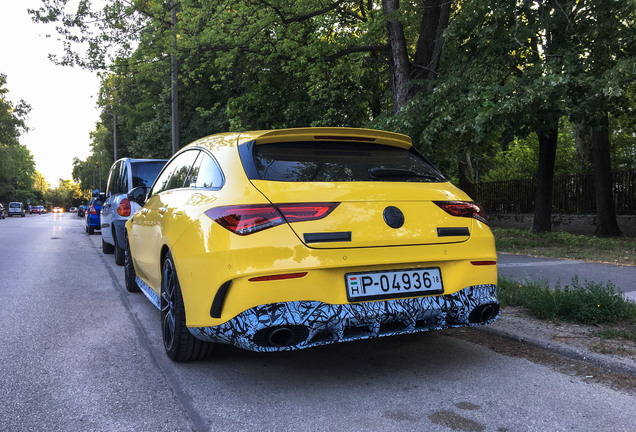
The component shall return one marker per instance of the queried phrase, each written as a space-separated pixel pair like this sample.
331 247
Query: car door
162 217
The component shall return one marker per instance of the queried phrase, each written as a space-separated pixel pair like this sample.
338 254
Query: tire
91 230
129 271
178 342
107 248
120 256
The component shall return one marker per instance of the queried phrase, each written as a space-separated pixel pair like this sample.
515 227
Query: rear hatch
364 211
383 194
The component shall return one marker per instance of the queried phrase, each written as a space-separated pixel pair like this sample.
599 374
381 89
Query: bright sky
62 99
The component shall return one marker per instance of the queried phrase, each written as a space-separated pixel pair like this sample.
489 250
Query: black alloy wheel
178 342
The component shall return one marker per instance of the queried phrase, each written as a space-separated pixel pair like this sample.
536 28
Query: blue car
93 220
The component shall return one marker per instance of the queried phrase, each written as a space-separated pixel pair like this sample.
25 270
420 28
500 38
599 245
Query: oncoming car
289 239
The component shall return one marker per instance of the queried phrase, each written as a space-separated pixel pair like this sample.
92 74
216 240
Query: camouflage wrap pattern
320 323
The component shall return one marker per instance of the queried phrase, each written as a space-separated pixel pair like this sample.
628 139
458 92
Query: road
80 353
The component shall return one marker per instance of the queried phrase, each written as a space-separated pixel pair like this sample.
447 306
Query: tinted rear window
145 173
340 162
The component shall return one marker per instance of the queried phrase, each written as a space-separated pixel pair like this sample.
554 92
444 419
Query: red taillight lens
248 219
463 209
92 210
124 208
305 212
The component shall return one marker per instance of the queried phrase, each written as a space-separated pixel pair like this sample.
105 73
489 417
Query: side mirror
138 195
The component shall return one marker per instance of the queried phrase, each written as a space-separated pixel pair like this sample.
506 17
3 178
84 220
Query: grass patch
617 250
588 303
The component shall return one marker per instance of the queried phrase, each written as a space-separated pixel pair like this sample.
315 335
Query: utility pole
173 80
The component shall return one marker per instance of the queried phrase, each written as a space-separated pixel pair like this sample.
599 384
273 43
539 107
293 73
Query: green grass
588 303
621 250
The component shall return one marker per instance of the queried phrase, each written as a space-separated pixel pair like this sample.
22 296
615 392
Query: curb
567 351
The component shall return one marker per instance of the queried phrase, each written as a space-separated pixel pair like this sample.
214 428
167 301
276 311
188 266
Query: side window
175 173
183 164
122 187
209 173
113 179
162 181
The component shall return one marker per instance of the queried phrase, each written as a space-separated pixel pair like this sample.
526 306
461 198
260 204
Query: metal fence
572 194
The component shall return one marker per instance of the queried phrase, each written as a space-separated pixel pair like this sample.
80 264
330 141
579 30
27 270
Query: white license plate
393 284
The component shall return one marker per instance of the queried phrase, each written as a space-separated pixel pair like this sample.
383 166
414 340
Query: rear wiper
398 172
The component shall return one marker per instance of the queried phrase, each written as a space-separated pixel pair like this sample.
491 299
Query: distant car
58 210
2 213
16 208
93 220
81 210
37 210
125 174
288 239
72 210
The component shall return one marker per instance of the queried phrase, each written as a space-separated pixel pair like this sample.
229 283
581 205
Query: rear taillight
248 219
468 209
124 208
92 210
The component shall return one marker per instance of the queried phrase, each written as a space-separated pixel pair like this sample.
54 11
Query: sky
63 99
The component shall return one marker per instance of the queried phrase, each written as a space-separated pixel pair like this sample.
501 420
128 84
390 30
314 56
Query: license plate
393 284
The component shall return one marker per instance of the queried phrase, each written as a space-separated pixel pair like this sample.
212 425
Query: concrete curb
574 353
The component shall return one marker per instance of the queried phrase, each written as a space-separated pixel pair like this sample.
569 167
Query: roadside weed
587 303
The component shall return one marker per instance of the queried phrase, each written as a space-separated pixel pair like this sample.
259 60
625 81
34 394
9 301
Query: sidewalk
521 268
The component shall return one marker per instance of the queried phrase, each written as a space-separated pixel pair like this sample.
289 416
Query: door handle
162 210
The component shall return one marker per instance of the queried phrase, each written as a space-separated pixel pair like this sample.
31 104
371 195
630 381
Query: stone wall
578 224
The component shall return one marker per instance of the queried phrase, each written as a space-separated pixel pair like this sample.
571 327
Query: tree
17 167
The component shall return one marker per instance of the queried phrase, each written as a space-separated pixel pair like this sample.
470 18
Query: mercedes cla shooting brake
288 239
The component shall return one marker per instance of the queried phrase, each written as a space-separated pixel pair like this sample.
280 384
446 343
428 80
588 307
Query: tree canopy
476 83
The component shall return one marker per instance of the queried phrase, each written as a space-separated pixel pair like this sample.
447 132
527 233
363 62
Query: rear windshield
14 205
145 173
340 162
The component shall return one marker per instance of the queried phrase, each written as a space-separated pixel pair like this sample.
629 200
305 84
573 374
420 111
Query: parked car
37 210
81 210
2 212
16 208
92 219
288 239
125 174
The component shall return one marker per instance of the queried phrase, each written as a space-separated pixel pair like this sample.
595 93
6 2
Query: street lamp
114 134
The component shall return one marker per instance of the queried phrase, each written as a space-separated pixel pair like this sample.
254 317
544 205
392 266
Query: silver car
125 174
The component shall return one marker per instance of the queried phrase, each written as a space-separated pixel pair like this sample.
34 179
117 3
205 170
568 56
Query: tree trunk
399 63
583 144
545 176
429 44
606 224
466 174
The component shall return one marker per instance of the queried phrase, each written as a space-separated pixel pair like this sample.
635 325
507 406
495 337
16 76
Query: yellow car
288 239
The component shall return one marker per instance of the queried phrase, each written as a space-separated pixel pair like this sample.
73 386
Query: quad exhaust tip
280 337
483 313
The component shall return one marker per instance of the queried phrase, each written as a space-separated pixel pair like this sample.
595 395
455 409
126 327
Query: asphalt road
80 353
561 271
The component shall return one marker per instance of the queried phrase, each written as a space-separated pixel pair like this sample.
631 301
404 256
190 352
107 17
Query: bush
587 303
